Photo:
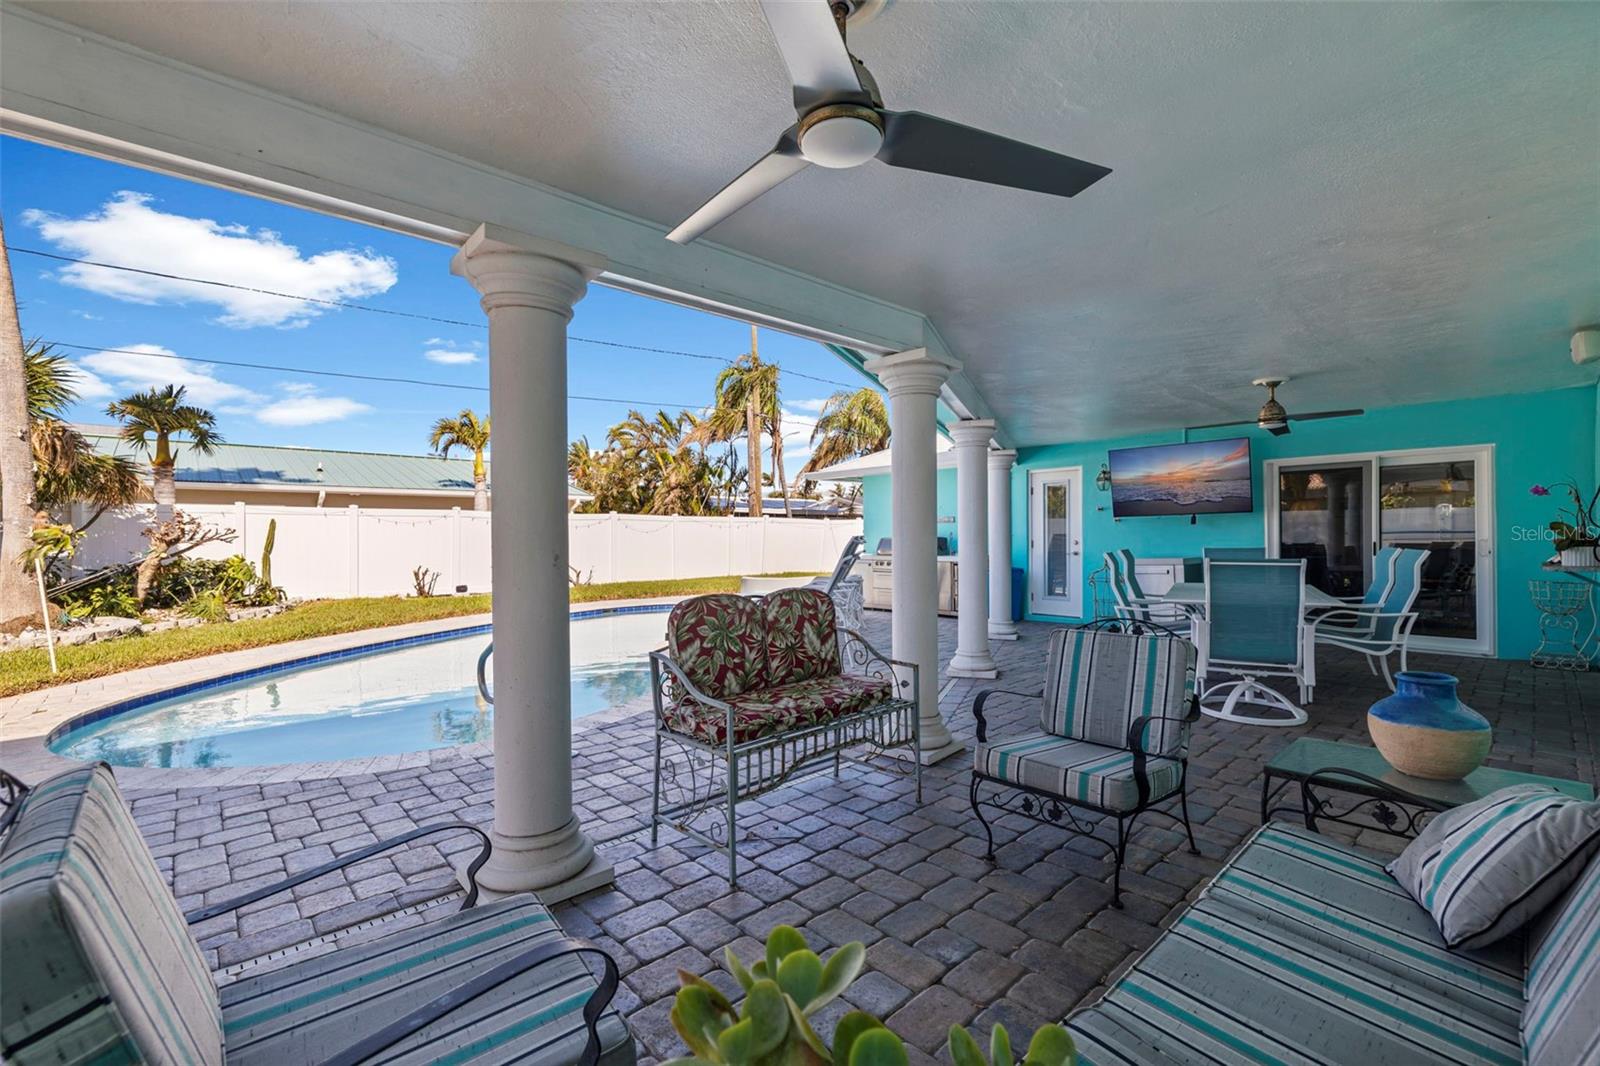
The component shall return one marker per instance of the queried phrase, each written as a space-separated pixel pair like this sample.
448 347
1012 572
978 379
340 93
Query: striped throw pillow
1483 870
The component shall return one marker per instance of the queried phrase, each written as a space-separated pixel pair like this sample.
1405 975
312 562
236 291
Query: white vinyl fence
356 551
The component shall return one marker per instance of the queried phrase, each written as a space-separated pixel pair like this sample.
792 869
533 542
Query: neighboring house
315 477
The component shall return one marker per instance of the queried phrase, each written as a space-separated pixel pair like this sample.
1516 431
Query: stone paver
952 937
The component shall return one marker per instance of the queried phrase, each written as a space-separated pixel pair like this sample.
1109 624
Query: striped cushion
1559 1025
1097 682
1077 770
1485 868
96 962
1303 951
312 1009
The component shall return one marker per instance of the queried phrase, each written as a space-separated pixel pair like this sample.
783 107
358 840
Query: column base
556 865
927 756
1003 631
964 665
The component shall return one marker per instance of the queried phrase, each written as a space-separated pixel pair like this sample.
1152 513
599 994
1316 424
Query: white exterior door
1055 542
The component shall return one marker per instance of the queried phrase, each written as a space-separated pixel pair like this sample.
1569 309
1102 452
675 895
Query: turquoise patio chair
1254 627
1381 630
1132 603
1235 555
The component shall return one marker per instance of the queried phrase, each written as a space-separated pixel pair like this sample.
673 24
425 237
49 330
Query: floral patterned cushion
720 642
802 635
776 710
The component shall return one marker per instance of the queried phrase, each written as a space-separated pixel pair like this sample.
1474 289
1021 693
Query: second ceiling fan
1273 418
843 123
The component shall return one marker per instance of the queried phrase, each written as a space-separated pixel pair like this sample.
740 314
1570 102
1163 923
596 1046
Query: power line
346 374
385 310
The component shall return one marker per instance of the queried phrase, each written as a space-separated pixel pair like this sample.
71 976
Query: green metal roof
311 468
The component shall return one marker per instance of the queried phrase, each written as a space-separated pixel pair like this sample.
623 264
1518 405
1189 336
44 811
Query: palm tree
16 460
747 402
465 431
66 468
851 424
149 421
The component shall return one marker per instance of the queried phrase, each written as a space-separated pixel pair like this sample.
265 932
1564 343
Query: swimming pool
382 700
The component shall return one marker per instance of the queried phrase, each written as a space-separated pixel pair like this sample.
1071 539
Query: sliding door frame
1482 457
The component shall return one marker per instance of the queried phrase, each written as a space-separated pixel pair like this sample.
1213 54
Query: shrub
114 597
212 606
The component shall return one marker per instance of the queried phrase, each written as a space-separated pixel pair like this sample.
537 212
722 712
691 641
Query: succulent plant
1051 1046
771 1027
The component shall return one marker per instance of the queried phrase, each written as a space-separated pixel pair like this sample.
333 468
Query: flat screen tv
1202 477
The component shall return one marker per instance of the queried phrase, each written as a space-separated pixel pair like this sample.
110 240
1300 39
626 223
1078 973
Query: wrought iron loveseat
751 690
98 965
1113 738
1304 950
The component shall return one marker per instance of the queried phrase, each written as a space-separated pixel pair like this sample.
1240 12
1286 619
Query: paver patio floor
951 938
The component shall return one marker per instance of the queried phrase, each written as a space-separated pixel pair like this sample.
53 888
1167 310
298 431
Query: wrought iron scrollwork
1346 797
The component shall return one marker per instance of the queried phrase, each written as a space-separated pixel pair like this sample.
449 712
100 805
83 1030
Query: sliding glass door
1336 511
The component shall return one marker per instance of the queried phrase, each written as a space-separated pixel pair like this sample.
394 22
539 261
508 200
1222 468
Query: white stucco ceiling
1388 202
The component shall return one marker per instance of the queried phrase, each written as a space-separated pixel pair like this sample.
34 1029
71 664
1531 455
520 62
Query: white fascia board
959 394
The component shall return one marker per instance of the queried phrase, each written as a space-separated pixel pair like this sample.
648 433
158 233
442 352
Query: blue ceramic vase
1425 731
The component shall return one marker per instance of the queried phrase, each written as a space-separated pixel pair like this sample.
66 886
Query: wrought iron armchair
1115 713
738 713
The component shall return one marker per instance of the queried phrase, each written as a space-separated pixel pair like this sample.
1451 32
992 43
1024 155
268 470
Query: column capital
971 432
914 372
510 268
1002 459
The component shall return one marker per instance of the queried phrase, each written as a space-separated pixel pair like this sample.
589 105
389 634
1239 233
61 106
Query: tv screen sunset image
1204 477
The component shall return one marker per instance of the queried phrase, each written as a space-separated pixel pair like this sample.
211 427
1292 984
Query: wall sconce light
1102 480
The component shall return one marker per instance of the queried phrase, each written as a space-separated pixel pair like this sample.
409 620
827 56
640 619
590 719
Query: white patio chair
1381 630
1254 628
1133 605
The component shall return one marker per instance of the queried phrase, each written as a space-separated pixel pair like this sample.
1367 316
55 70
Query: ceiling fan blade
922 142
819 63
1329 414
1225 425
777 166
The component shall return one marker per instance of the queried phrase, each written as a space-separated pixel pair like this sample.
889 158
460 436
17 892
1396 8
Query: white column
913 379
528 288
1001 627
972 657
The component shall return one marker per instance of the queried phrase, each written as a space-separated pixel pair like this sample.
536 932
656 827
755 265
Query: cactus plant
786 988
266 554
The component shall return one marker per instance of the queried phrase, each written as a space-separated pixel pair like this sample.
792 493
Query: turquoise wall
876 507
1538 438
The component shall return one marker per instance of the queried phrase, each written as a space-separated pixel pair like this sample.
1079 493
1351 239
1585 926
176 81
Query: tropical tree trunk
480 493
752 429
166 490
777 463
17 594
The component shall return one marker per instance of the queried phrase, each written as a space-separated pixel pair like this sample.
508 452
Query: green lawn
29 669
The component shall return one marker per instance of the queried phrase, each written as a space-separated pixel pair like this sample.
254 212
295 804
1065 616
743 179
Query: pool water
383 703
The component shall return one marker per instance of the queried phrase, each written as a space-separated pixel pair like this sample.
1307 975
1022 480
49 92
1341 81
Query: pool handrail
483 663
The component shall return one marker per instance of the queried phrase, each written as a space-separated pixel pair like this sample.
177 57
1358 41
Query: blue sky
74 205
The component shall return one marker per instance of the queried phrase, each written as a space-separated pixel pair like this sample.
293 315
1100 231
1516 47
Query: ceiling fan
843 123
1273 418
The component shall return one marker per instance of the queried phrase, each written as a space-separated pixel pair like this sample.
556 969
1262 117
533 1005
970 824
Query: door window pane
1322 518
1055 533
1434 506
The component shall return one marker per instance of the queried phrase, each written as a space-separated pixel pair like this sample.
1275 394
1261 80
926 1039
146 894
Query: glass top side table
1397 803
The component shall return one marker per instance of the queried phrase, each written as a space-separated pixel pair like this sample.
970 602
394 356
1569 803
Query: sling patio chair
1254 628
1113 736
1379 630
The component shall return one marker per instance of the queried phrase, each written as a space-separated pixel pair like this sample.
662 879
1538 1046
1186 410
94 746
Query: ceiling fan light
841 137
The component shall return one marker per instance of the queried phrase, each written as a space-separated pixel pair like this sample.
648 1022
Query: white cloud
302 405
89 385
148 366
127 231
813 407
450 356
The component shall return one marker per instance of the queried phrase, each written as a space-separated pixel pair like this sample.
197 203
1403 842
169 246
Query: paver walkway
950 937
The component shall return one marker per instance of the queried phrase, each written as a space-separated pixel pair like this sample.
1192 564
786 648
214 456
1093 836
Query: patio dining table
1191 597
